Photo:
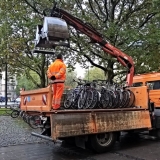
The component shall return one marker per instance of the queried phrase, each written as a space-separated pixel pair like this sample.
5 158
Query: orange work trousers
57 89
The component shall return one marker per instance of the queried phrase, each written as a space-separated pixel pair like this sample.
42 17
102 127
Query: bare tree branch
33 7
107 12
94 64
148 17
99 7
92 8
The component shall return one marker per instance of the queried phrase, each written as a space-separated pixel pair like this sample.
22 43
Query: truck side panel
41 99
36 100
74 124
141 96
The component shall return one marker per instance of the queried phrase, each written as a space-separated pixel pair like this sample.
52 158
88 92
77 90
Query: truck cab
152 81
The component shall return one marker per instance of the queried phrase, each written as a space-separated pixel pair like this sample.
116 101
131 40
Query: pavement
17 143
15 132
31 152
50 151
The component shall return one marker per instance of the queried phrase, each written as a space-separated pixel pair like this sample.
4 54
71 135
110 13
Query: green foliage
17 31
122 23
70 75
26 82
93 74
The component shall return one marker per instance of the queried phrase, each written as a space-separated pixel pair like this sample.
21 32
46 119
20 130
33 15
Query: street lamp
6 98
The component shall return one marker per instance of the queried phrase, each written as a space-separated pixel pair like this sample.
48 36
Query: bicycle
34 121
71 100
105 99
85 96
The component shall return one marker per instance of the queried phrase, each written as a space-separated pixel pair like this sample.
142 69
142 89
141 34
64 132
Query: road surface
16 143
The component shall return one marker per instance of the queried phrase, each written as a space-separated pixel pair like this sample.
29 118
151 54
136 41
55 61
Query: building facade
11 86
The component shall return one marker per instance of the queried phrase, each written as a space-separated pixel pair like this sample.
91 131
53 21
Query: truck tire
103 142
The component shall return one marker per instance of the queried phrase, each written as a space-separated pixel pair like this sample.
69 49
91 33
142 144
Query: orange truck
98 128
152 81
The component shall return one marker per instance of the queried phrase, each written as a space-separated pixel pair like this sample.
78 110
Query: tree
70 75
123 23
17 33
94 73
26 82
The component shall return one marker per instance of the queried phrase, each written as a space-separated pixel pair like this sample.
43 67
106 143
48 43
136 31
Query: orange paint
152 81
36 100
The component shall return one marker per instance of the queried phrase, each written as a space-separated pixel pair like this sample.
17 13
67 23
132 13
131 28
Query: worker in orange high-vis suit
57 74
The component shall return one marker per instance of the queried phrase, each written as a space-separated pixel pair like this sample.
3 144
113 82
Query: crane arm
96 37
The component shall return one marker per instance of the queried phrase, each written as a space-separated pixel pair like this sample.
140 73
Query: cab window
138 84
153 85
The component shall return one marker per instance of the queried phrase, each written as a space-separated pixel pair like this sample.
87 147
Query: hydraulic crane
100 128
94 35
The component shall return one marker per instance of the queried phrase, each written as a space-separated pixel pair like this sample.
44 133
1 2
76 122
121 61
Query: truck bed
83 122
41 99
75 122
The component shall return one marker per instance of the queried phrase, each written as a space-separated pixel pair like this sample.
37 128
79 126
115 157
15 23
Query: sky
80 71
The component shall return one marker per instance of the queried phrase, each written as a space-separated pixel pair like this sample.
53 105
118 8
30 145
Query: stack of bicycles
98 94
34 121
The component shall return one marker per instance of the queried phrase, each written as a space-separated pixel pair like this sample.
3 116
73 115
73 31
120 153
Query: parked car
17 100
2 99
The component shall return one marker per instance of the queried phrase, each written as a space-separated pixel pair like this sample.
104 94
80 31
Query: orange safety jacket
57 69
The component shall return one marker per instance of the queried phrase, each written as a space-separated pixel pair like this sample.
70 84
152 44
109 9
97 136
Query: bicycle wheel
24 117
15 114
74 104
131 99
104 99
117 99
126 99
82 100
27 118
94 100
89 99
120 96
68 100
34 121
111 99
114 98
21 113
